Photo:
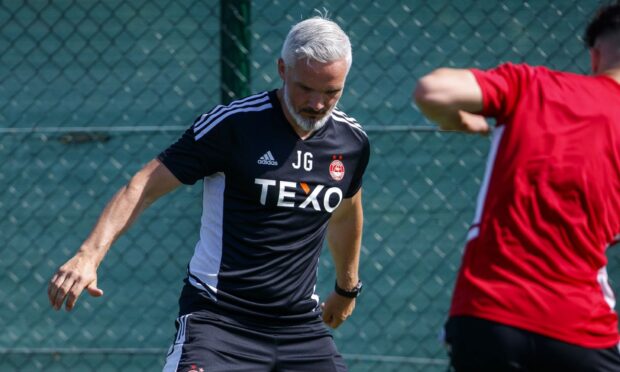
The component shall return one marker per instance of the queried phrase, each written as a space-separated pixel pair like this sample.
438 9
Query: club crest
336 169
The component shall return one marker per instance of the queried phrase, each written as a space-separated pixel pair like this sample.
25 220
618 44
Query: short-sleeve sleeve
356 182
192 158
501 88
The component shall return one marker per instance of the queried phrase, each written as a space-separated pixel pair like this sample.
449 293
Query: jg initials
307 161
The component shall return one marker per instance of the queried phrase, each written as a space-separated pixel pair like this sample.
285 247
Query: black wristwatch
349 294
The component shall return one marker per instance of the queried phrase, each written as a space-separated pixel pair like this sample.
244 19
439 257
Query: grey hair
316 39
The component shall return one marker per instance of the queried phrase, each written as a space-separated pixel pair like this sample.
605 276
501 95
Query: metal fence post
235 49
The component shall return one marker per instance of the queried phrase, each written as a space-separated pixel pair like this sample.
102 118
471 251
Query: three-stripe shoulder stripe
208 121
204 119
344 118
182 327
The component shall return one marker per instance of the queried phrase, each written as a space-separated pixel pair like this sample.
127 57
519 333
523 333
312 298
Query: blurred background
91 90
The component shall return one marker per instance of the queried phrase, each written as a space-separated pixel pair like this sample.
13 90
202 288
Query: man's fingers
334 322
78 286
76 290
327 316
52 286
51 289
63 290
54 289
331 320
73 295
62 287
336 311
93 290
474 123
70 290
337 321
68 283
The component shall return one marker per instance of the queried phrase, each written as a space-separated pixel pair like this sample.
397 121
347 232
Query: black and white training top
268 196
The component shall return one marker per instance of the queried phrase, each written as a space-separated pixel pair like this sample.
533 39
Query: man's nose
316 102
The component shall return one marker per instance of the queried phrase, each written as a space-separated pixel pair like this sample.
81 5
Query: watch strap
353 293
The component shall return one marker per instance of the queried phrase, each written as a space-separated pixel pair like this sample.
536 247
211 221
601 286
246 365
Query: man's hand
472 123
449 97
337 309
77 274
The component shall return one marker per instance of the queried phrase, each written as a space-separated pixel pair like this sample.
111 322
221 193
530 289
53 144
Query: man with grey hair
281 170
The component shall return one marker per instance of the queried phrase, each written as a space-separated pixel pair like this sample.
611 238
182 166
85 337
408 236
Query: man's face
311 91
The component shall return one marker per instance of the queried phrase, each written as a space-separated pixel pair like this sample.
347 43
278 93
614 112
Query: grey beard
306 124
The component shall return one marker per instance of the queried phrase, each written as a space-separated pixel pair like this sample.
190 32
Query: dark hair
606 20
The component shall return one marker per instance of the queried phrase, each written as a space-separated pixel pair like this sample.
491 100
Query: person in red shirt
532 291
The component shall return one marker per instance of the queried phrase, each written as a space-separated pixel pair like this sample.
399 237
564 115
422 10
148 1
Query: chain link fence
91 90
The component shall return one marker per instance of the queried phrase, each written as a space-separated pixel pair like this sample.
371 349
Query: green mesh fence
91 90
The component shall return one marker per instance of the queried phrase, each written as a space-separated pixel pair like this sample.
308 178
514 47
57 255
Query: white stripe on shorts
174 353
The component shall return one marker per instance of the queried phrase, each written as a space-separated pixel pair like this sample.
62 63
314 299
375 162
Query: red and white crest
336 170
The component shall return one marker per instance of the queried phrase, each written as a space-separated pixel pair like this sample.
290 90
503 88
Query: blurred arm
451 98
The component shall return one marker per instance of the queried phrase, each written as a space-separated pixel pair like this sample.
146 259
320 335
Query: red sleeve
501 89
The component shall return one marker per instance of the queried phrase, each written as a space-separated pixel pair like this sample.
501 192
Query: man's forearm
118 215
344 240
346 261
125 206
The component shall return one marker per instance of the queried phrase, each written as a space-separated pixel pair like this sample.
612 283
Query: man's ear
281 68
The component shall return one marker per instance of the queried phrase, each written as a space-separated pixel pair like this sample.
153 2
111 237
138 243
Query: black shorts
480 345
208 342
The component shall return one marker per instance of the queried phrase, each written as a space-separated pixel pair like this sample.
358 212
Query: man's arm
344 238
451 98
80 272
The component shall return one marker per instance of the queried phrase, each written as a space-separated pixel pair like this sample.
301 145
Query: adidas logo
267 159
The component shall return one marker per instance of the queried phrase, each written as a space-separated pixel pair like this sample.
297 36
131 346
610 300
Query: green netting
91 90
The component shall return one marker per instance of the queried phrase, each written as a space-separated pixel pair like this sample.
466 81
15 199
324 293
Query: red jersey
548 208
